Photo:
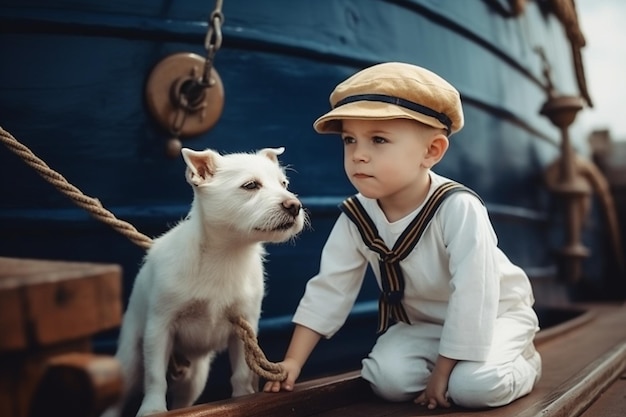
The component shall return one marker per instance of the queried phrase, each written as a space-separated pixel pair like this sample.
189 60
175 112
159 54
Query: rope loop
255 358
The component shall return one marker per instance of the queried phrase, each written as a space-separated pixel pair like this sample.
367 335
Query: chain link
212 41
188 93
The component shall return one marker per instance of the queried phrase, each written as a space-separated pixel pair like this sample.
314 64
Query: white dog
199 274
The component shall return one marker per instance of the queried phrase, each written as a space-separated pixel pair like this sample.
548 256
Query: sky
603 23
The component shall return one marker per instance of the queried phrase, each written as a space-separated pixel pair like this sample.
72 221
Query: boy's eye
347 139
379 139
251 185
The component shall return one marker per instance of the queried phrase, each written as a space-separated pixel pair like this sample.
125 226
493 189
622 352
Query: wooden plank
77 385
612 402
575 394
581 360
307 399
22 370
48 309
46 302
578 364
13 334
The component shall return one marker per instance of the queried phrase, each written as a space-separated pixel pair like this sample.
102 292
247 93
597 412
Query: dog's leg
242 380
184 392
157 348
129 357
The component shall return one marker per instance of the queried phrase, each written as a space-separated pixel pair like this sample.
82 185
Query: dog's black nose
292 206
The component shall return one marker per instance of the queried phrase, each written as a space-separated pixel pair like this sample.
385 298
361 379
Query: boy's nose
359 154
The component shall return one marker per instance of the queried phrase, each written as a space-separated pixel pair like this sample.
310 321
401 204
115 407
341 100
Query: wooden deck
583 361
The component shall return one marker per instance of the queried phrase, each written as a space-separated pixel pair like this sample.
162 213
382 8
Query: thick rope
254 355
255 358
92 205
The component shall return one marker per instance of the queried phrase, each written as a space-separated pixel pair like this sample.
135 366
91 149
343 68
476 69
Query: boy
455 314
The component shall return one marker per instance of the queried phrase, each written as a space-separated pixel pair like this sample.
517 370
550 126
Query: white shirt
457 281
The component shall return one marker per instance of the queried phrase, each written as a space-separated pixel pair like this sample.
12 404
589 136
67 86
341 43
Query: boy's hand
435 393
293 371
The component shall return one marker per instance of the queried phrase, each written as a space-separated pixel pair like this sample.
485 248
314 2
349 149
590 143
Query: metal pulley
184 92
180 102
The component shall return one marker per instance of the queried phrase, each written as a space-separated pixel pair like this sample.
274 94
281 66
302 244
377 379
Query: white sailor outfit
464 299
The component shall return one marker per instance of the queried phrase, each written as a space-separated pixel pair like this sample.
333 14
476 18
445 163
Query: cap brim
369 110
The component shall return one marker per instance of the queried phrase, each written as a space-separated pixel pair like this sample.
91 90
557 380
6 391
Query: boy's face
387 159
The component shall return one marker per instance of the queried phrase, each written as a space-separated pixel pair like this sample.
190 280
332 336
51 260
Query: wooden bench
49 310
581 358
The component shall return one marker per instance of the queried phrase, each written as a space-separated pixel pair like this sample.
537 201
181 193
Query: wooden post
49 309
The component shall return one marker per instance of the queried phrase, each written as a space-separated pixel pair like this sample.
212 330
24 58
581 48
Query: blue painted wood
72 89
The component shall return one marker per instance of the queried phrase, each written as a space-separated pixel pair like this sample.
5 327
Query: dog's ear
272 153
200 165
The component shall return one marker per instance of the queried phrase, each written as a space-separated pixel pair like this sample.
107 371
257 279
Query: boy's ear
437 148
200 165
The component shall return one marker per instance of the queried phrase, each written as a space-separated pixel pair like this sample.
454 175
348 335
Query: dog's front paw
151 407
243 390
149 411
243 381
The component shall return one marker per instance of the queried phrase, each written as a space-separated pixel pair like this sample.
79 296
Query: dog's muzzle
285 218
292 206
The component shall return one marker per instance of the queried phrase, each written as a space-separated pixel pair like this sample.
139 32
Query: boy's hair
394 90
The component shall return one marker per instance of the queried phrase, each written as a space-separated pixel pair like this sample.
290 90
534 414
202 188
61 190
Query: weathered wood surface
47 302
612 402
49 310
581 359
77 385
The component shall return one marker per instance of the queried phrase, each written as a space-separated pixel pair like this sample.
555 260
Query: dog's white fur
200 273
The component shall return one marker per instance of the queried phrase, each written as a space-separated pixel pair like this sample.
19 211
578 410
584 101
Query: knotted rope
255 358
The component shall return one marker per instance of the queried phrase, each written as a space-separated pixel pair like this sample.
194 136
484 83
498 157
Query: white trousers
399 365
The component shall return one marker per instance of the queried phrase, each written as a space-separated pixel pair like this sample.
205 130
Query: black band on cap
445 120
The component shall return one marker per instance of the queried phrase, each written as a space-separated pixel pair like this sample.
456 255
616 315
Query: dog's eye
251 185
285 184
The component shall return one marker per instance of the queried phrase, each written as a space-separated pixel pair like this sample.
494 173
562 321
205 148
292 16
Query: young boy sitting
455 315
